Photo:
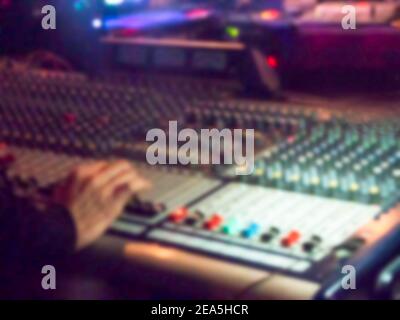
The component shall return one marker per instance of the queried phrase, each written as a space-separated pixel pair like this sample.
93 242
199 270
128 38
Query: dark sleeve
31 236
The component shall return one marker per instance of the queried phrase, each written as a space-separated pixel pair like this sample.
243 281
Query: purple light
146 20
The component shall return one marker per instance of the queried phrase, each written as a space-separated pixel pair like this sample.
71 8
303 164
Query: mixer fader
270 220
152 206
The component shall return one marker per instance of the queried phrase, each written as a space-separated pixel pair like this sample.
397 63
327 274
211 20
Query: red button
70 118
214 222
290 239
178 215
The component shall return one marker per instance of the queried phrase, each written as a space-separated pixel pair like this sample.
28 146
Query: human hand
95 195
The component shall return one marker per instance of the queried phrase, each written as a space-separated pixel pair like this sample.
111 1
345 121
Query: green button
231 227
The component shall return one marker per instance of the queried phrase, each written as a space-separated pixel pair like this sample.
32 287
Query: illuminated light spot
302 159
333 184
363 4
291 139
97 23
5 3
127 32
114 2
295 178
197 14
78 6
315 181
270 14
233 32
374 190
272 62
277 175
354 187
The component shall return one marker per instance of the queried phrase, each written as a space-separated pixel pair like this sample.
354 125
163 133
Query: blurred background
323 100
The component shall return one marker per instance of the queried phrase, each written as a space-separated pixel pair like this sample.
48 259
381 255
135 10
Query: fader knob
271 234
290 239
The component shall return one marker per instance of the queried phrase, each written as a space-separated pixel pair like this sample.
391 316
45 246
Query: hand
95 195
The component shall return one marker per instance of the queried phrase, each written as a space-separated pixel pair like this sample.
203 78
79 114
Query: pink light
127 32
270 14
5 3
362 4
272 62
197 14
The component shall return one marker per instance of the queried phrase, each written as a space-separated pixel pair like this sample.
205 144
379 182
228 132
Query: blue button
251 230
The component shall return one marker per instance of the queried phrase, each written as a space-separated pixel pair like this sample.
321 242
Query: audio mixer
318 181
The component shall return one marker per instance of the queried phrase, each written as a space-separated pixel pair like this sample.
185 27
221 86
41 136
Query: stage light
97 23
114 2
270 14
80 5
198 13
5 4
146 20
272 62
233 32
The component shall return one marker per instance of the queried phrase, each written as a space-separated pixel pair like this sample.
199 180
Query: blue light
146 20
80 5
114 2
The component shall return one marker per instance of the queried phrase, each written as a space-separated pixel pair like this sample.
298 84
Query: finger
119 201
110 172
129 190
82 173
88 169
75 181
122 180
140 186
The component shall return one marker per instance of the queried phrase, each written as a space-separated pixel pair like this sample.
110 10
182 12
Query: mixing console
269 220
357 163
316 182
68 113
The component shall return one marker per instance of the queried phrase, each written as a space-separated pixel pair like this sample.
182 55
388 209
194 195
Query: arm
84 206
